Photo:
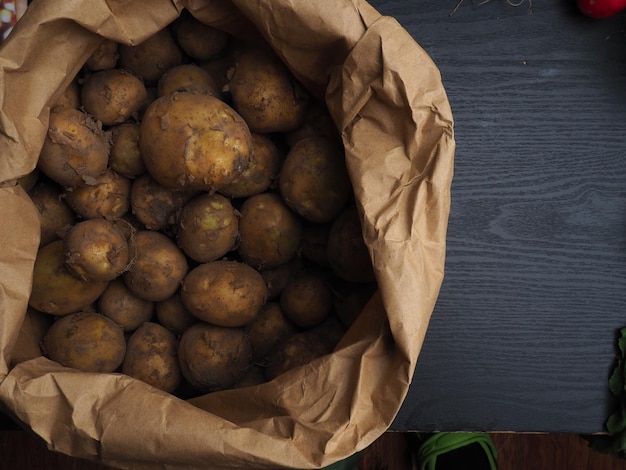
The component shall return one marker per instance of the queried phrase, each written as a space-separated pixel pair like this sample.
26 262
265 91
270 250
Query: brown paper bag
390 107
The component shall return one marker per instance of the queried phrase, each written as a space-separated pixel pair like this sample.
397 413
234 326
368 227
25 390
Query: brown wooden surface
20 451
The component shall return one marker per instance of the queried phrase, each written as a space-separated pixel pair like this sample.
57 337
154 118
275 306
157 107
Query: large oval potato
194 141
213 357
224 293
86 341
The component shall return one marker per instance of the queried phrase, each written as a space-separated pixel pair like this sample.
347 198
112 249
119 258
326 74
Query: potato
260 174
70 98
187 77
198 40
124 307
213 357
173 314
350 299
152 57
265 93
225 293
155 205
158 268
253 375
277 278
269 232
96 250
314 246
207 227
56 216
55 289
125 157
307 299
297 350
152 357
194 141
113 96
348 255
314 180
104 57
76 150
86 341
317 123
268 328
107 196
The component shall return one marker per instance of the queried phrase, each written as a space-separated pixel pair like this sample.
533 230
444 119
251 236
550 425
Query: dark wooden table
522 337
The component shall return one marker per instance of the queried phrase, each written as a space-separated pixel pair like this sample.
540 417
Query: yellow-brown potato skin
113 96
194 141
55 289
225 293
262 172
125 157
86 341
187 77
269 232
125 308
213 357
307 299
266 94
314 181
158 268
96 250
75 150
107 196
152 357
56 216
269 328
208 227
297 350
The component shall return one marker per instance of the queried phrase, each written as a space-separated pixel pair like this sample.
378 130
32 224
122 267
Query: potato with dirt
188 77
76 149
262 172
86 341
200 41
125 157
269 328
266 93
314 181
213 357
56 216
55 290
113 96
96 250
104 57
152 357
208 227
124 307
307 299
269 232
224 293
106 196
158 268
173 315
295 351
149 59
192 141
157 206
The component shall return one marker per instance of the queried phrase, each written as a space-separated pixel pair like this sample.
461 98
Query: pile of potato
198 227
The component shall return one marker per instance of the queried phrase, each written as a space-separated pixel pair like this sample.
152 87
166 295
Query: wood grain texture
522 335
